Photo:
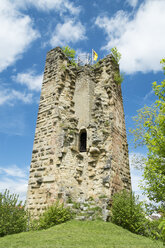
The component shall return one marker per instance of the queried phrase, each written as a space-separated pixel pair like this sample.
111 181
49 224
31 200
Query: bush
128 212
152 229
70 53
13 218
54 215
118 77
116 54
162 228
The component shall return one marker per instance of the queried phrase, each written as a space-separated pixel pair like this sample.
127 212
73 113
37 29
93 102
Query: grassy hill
77 234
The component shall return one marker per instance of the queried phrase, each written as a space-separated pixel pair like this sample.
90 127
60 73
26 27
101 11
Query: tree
150 131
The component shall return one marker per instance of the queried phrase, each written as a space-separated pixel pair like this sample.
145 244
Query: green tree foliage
118 77
116 54
163 65
70 53
150 131
128 212
162 227
12 214
54 215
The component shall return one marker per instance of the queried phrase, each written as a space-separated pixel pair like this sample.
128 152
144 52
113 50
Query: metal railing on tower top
84 59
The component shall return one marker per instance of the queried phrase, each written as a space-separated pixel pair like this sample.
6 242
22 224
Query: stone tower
80 148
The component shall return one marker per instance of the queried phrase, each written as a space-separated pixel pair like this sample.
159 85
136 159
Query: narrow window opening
83 141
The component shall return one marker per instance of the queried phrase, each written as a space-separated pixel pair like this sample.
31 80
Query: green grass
77 234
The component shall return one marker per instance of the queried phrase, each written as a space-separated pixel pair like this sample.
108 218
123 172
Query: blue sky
29 29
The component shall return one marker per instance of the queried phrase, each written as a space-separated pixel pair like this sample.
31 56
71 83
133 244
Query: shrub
54 215
152 229
162 228
70 53
118 77
13 218
128 212
116 54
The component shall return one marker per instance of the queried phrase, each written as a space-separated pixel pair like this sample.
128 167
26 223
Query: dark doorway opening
83 141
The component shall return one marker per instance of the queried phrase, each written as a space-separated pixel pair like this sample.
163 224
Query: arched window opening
83 141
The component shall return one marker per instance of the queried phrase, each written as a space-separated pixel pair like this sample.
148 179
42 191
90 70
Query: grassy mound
77 234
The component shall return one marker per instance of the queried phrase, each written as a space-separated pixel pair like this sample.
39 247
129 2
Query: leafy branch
116 56
70 54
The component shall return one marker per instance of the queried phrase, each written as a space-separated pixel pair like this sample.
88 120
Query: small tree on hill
128 212
13 218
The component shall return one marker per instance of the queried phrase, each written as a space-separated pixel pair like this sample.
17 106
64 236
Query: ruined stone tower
80 148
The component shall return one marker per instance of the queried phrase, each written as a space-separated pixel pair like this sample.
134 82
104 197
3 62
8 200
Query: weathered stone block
106 179
94 150
48 179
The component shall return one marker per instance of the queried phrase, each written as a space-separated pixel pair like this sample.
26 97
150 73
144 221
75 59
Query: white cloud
139 38
136 178
69 32
15 186
137 164
137 181
13 170
15 180
8 96
148 95
132 3
113 27
46 5
26 98
16 33
136 161
30 79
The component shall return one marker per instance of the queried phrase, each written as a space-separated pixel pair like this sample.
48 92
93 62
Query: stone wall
75 99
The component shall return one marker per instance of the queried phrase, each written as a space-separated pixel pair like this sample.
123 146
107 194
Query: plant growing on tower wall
118 77
70 53
116 54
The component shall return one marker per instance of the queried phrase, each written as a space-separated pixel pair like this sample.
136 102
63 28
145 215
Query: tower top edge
55 50
58 51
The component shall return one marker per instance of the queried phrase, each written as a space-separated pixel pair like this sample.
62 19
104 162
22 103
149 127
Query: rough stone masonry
80 148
